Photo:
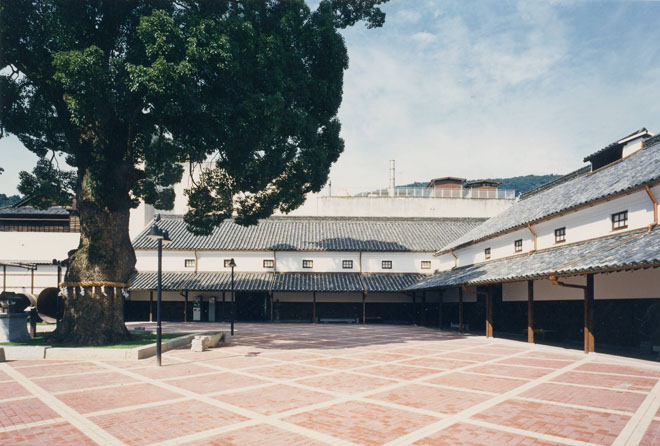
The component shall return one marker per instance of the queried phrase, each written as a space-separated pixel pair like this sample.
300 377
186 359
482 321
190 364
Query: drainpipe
529 226
455 258
655 207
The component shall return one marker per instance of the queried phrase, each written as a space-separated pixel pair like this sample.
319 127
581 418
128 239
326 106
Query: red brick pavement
310 385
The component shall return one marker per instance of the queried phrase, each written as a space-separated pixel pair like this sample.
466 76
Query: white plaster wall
291 261
37 246
323 206
20 280
638 284
246 261
544 290
402 262
583 224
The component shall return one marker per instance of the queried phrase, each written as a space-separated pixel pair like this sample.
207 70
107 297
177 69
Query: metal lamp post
161 237
232 264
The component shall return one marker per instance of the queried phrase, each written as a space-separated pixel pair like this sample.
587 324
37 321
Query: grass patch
137 340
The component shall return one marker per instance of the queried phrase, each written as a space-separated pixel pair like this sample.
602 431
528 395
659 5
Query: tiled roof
326 282
318 234
175 281
381 282
638 133
30 212
638 169
621 251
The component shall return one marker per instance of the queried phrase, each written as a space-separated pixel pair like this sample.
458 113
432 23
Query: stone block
204 341
2 355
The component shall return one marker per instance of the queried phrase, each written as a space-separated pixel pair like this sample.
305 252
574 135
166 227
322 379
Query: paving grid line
18 427
136 407
467 413
16 398
575 406
538 436
634 430
84 425
87 389
589 386
237 410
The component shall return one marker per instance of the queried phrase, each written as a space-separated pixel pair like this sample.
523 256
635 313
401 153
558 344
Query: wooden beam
151 306
589 344
530 311
460 310
314 307
489 313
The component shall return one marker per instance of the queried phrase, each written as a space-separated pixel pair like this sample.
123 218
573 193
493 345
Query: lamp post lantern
162 238
232 264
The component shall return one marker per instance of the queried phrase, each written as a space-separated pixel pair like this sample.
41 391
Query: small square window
189 263
269 263
620 220
518 245
560 235
487 253
308 264
227 262
426 264
387 264
347 264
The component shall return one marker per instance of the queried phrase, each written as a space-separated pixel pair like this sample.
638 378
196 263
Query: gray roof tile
382 282
322 282
638 169
207 281
318 234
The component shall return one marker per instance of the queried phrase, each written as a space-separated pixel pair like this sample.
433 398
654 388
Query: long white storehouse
294 268
575 259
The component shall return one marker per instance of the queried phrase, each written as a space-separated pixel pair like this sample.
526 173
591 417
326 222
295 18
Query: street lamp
162 238
232 264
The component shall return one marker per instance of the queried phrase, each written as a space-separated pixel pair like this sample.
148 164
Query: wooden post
589 344
151 306
460 310
4 278
223 306
364 307
530 311
185 307
423 316
414 308
270 294
314 307
440 310
489 313
32 280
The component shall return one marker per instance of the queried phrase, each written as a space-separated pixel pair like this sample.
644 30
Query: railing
423 192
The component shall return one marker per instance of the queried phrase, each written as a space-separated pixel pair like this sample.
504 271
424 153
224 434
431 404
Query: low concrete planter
29 352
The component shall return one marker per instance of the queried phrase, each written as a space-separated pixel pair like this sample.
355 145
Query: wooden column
223 306
364 307
4 278
489 313
414 308
589 344
423 316
440 310
271 305
314 307
185 307
530 311
32 280
151 306
460 310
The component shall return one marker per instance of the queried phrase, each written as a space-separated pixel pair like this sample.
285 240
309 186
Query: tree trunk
94 309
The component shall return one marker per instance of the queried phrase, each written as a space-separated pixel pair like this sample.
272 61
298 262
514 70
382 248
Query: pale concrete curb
13 353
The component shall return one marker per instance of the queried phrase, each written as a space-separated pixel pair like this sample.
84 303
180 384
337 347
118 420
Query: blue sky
477 88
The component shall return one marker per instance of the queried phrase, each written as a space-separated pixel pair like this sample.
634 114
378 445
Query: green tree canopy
128 91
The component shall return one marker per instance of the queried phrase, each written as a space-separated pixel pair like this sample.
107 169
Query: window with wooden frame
308 263
227 262
269 263
426 264
560 235
517 245
620 220
386 264
487 253
189 263
347 264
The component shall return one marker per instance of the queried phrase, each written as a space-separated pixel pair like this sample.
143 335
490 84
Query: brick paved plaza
302 384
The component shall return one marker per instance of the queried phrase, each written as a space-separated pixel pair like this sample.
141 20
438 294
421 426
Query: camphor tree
129 91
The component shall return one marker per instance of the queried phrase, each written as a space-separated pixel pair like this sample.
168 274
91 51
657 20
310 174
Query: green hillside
8 200
520 184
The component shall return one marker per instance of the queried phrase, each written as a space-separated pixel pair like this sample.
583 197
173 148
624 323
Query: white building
574 259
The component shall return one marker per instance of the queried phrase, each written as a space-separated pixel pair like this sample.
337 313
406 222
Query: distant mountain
520 184
8 200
